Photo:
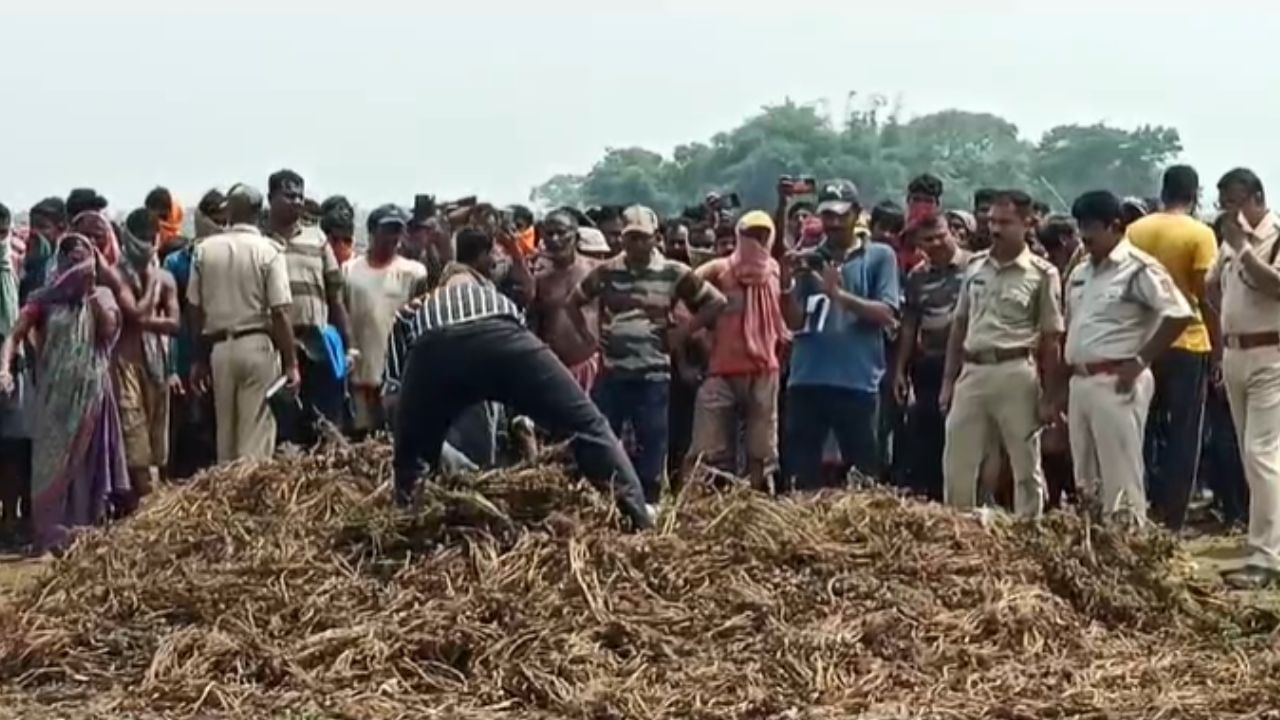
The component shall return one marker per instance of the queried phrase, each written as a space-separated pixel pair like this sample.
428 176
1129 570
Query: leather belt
1101 367
223 335
1249 341
997 356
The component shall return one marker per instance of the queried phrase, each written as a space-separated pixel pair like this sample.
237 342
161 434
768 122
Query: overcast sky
381 100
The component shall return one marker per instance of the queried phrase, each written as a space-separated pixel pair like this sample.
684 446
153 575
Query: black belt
1249 341
996 356
220 336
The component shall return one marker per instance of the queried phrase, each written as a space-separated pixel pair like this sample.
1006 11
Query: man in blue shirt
844 295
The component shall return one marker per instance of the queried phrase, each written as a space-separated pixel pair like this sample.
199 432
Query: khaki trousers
1107 431
1002 399
1253 391
723 402
242 370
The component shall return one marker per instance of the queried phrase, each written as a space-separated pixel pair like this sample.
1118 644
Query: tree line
879 150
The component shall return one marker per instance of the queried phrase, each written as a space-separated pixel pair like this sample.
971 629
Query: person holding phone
844 296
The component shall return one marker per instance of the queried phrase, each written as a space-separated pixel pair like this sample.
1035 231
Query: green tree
879 151
560 190
1074 159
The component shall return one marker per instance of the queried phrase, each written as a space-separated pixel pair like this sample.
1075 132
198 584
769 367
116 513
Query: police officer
1010 311
1249 279
1123 311
240 299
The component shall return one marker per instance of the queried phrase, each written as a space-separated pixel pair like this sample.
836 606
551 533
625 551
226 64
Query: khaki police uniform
236 279
1251 371
1113 307
1007 307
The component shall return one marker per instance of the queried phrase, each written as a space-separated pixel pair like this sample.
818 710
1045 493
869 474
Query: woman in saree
78 473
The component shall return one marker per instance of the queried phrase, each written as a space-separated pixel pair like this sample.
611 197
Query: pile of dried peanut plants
291 589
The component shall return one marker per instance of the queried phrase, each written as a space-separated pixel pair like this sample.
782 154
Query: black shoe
1252 577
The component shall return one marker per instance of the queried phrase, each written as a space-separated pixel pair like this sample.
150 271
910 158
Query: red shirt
728 341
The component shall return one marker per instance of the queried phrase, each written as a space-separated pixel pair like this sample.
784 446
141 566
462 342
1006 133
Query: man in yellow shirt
1187 248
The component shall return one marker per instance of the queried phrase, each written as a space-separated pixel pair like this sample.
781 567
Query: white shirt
373 297
1116 305
1244 309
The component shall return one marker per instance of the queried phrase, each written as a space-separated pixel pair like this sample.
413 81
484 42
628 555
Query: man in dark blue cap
844 295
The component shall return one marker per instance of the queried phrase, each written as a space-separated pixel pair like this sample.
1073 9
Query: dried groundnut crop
291 589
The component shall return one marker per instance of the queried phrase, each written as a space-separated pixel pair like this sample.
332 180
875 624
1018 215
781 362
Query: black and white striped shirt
447 306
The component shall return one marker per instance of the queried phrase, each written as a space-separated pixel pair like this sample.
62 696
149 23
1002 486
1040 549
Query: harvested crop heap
289 589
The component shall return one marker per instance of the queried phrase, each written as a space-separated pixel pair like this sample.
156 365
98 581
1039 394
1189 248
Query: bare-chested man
561 270
142 373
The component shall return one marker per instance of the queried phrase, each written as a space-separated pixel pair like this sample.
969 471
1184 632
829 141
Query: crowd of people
1124 356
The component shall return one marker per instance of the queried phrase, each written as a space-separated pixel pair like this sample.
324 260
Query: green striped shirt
636 312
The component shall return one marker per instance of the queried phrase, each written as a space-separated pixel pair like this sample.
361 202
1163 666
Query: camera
806 185
812 260
726 201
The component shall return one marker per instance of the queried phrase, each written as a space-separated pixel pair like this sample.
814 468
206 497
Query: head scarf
966 218
112 251
137 254
70 281
755 269
15 247
527 240
811 232
18 245
171 226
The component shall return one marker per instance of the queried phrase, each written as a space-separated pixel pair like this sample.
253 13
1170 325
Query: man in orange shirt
1186 248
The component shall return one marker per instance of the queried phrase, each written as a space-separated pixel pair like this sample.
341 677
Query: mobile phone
804 186
424 206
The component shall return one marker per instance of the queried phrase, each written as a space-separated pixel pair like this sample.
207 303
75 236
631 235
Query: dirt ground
16 571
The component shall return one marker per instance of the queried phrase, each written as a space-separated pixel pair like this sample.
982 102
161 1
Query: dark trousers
679 428
193 427
1172 443
813 411
321 397
644 405
927 428
891 434
1220 463
15 488
495 359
